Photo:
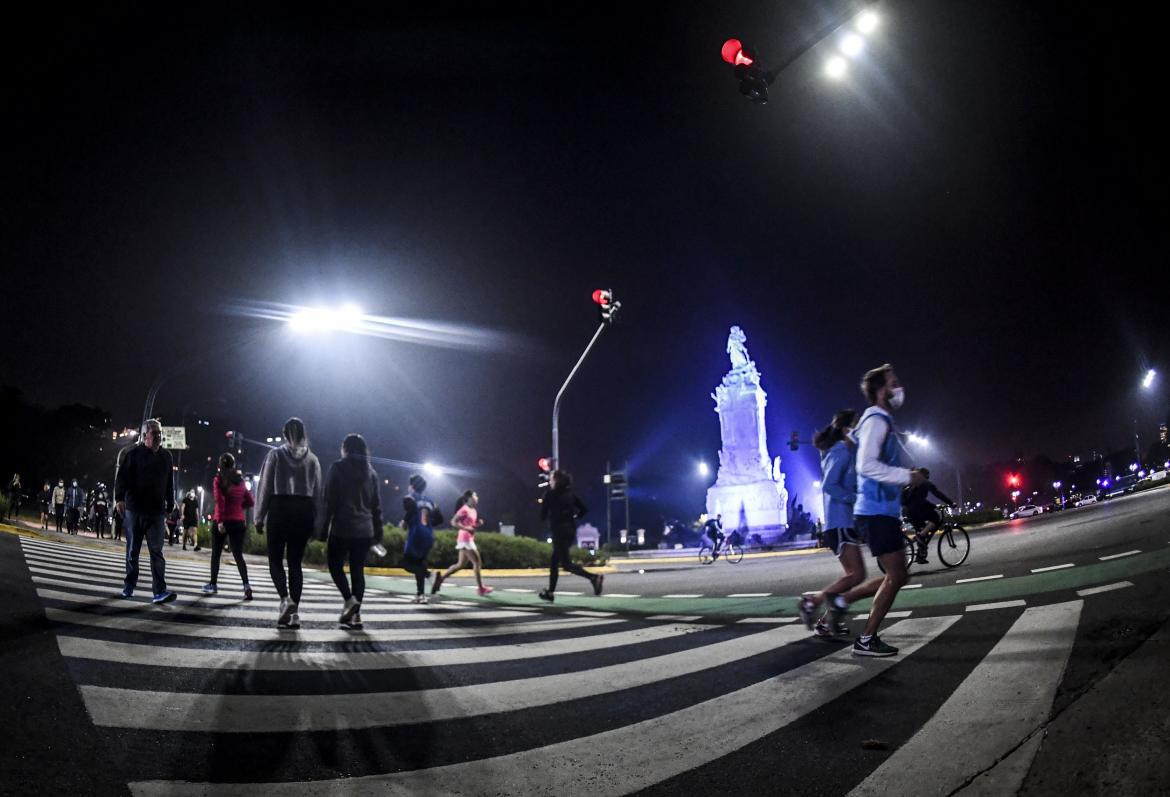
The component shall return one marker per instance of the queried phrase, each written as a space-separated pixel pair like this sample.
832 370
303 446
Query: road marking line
1052 567
586 613
619 595
631 756
1006 696
1106 588
695 595
1117 555
768 620
912 586
749 594
980 607
894 615
568 592
980 578
682 618
517 589
266 713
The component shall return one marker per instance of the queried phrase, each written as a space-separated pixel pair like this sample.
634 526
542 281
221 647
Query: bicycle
954 545
731 551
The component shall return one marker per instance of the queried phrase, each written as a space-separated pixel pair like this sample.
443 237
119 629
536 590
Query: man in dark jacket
144 489
561 507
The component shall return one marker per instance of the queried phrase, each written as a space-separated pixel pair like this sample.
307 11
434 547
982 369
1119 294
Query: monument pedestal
756 508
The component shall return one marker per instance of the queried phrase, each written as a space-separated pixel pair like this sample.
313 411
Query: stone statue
736 348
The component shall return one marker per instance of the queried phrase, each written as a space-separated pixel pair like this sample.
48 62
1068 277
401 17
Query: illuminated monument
749 490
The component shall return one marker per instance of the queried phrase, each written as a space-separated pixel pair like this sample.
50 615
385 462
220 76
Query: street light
703 470
836 67
431 469
1148 379
867 21
327 319
918 439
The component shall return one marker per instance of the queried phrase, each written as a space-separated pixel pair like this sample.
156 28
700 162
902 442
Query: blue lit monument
749 490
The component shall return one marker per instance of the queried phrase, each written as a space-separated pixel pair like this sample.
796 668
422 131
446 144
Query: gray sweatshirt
289 471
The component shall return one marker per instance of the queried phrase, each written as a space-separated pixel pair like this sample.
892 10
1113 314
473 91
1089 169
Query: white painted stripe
912 586
682 618
517 589
695 595
979 578
568 592
204 631
749 594
228 581
1117 555
316 661
619 595
768 620
982 607
1052 567
587 613
192 711
1004 699
889 615
623 760
1106 588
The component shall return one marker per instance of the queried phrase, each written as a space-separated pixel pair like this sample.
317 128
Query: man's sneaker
822 630
545 595
247 592
806 607
127 592
287 610
351 608
164 597
210 589
874 647
485 590
438 582
598 582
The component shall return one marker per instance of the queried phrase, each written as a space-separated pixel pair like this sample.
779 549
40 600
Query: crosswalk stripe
1006 697
675 617
187 711
1105 588
315 661
768 620
980 607
226 632
229 577
628 758
749 594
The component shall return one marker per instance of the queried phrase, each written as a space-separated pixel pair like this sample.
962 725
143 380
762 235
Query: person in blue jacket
421 518
839 485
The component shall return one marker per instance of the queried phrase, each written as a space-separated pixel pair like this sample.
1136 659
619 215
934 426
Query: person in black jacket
561 507
921 512
144 490
353 521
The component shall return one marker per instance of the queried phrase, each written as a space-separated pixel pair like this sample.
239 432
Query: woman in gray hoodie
290 504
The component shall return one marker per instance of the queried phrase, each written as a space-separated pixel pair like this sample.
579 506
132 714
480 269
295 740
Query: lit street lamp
703 470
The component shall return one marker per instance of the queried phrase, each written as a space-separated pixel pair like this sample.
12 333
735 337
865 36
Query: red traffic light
545 464
603 298
228 435
734 54
1013 480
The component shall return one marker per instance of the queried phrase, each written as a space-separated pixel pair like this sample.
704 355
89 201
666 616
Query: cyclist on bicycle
923 514
713 529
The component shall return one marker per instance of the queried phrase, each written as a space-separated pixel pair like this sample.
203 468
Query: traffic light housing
233 441
753 81
794 441
618 486
607 305
545 465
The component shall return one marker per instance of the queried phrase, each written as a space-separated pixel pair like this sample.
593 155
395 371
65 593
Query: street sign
174 437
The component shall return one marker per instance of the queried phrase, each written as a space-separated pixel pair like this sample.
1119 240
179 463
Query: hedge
976 518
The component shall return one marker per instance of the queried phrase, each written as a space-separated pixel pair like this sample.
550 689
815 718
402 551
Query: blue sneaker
164 597
211 589
127 592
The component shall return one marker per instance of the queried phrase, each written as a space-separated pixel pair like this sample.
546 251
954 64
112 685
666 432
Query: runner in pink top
466 521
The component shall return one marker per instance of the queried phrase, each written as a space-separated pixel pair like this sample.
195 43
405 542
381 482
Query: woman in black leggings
232 498
561 507
353 521
290 494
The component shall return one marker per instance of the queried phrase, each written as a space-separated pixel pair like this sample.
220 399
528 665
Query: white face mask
897 397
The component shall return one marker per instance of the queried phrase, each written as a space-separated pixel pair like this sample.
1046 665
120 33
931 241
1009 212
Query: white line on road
517 589
768 620
980 578
681 618
1052 567
912 586
1106 588
981 607
619 595
749 594
889 615
695 595
586 613
1117 555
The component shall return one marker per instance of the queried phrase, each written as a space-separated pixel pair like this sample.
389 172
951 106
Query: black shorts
884 533
836 539
919 518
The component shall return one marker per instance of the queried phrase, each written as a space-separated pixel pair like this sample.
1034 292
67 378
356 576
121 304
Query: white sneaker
295 620
351 608
287 610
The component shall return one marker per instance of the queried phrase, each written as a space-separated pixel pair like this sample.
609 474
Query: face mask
897 397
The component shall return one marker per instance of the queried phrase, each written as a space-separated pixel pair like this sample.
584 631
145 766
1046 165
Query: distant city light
852 45
703 469
1148 380
867 22
1056 485
431 469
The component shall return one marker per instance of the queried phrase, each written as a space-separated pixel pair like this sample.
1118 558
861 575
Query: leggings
412 564
290 524
340 550
560 557
234 531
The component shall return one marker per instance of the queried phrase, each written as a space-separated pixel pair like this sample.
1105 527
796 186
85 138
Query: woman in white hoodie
289 504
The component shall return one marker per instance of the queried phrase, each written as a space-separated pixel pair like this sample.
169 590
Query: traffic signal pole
556 436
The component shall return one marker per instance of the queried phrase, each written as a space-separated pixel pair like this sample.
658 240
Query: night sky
981 202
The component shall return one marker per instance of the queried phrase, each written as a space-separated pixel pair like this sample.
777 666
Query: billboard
174 437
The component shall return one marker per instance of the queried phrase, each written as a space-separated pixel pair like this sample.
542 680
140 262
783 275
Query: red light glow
733 53
602 298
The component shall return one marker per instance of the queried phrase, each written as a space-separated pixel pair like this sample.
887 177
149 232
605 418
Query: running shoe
598 581
484 591
420 599
806 607
874 647
355 622
822 630
295 620
127 592
210 589
545 595
438 582
351 608
247 592
288 610
164 597
842 629
835 611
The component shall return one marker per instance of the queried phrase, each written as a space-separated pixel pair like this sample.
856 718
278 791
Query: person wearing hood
74 501
289 501
352 519
190 516
561 507
232 498
15 496
59 503
46 499
421 518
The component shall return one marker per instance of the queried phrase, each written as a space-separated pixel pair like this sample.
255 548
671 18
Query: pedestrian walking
839 485
119 522
421 517
466 520
59 503
46 500
74 501
144 491
232 499
352 519
173 518
15 496
561 507
100 513
190 515
290 499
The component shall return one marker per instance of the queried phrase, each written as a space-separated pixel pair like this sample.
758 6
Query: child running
466 520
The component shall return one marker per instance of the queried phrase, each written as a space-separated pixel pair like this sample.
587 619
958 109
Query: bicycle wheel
953 546
705 555
733 553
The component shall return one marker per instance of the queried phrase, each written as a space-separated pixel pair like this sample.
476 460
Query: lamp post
607 309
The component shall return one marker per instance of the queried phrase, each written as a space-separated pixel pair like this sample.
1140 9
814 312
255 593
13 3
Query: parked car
1027 510
1085 500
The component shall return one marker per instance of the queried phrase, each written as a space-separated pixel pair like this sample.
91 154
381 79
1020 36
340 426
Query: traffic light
1013 480
607 305
794 441
618 486
234 441
753 81
545 464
